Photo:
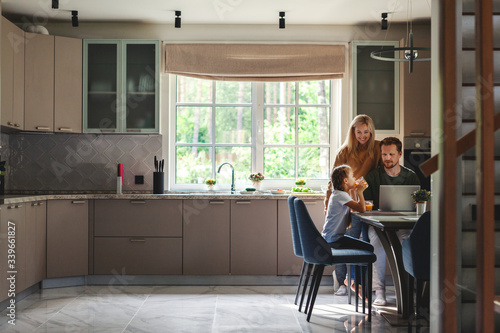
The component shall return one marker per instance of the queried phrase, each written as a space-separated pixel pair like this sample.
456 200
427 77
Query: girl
337 216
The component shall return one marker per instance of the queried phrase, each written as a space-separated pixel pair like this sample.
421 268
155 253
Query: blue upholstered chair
297 249
318 252
417 261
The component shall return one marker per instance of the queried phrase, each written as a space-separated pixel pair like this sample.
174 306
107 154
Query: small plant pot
421 207
210 188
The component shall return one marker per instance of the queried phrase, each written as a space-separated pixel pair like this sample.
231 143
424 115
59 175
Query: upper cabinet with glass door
376 86
121 86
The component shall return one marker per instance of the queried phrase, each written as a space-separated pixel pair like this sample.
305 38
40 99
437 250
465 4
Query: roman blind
256 62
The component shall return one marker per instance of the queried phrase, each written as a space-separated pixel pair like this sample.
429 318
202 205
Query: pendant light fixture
408 53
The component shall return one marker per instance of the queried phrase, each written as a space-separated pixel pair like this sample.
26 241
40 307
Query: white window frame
335 105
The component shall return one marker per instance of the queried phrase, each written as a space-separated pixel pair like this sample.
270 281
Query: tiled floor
186 309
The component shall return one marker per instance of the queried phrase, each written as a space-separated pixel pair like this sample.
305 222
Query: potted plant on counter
256 178
300 182
210 182
420 197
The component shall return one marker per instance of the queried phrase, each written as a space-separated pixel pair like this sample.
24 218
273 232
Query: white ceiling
219 11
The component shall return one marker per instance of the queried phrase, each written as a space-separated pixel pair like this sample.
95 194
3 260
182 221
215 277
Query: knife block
158 182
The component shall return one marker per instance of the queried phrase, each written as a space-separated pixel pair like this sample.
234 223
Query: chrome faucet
232 175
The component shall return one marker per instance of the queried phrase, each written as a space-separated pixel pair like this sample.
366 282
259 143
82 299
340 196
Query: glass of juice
369 204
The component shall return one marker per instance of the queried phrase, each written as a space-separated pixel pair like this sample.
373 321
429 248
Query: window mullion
258 127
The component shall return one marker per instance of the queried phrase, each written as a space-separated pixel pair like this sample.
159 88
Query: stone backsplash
78 162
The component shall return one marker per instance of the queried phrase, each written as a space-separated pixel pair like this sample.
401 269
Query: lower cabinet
14 247
137 237
67 238
206 237
254 237
137 255
36 237
288 263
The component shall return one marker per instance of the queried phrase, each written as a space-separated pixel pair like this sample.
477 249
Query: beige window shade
256 62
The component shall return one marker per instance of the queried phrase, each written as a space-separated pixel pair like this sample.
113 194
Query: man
390 173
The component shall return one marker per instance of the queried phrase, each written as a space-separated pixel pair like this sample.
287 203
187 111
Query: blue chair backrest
314 247
417 249
297 248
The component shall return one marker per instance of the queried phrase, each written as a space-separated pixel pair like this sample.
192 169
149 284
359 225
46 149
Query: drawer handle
78 202
34 204
17 125
10 123
216 202
137 240
141 202
42 128
243 202
14 206
40 203
65 129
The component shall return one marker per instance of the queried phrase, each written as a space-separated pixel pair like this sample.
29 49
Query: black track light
282 20
177 19
74 18
384 21
55 4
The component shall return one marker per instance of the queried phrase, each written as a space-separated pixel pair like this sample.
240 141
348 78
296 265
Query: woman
362 153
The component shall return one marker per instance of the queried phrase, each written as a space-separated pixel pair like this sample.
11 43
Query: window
281 129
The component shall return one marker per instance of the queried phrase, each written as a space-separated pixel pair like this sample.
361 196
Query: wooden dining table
386 224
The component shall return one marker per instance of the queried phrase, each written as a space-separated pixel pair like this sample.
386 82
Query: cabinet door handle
65 129
11 123
11 207
40 203
43 128
78 202
243 202
17 125
141 202
34 204
216 202
19 206
137 240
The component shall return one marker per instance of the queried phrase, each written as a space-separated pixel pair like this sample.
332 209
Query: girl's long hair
351 145
338 175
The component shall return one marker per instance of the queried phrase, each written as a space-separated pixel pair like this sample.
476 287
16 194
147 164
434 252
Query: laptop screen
397 197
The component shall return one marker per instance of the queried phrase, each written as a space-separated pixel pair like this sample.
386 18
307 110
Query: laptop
397 197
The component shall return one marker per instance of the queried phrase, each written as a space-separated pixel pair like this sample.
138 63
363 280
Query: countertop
21 198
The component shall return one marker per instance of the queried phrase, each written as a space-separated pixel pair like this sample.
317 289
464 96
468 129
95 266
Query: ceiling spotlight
282 20
384 21
177 19
74 18
55 4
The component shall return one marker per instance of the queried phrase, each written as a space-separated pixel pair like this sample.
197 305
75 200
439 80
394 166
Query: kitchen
76 160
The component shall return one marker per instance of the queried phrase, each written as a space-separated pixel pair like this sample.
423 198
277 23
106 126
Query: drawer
136 255
158 218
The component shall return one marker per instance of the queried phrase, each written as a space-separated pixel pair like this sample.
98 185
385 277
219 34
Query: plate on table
247 192
278 192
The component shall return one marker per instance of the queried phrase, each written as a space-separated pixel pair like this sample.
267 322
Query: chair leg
420 284
319 274
356 286
411 309
314 279
308 273
302 272
363 287
348 284
369 268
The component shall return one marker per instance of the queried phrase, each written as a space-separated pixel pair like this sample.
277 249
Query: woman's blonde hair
338 175
351 145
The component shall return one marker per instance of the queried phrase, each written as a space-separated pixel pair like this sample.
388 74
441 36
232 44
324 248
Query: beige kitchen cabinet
12 115
254 237
206 237
68 67
36 237
288 263
155 218
137 255
39 82
67 238
14 216
138 237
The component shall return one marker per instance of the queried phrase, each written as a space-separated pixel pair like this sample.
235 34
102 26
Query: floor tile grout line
135 314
